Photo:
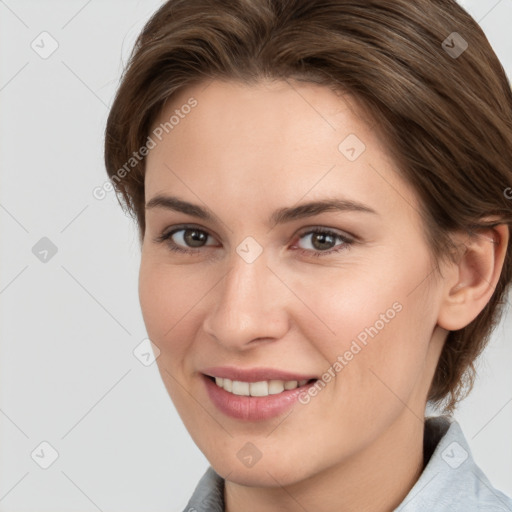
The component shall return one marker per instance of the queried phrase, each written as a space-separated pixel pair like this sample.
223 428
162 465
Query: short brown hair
446 118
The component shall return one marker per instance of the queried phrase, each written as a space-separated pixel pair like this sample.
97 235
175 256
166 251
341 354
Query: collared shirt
450 482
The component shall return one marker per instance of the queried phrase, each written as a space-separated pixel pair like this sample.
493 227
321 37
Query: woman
321 195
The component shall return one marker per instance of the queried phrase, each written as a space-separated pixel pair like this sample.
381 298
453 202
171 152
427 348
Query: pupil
323 238
195 238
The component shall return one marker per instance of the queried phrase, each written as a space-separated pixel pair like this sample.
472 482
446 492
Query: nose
249 305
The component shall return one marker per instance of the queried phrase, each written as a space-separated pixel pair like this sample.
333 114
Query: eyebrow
280 216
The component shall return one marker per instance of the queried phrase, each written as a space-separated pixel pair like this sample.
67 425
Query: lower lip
252 408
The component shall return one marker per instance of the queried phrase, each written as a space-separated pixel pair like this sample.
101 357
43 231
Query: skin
243 152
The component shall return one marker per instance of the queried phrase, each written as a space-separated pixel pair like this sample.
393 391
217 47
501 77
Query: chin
264 473
264 476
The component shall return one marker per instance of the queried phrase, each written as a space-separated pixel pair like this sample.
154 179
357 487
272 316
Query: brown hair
446 118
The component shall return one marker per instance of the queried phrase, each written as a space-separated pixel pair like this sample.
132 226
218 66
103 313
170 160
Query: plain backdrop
70 319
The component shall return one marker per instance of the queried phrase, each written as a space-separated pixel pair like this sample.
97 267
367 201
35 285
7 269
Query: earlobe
472 279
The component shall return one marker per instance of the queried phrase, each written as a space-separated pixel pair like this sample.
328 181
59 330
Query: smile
261 396
260 388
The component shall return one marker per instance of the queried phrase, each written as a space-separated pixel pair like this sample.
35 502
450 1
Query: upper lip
254 374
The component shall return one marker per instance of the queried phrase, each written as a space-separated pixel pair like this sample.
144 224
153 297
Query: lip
254 374
252 408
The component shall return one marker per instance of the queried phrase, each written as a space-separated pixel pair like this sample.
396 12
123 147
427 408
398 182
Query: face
324 315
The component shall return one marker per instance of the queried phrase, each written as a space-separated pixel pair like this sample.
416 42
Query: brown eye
185 239
194 237
323 242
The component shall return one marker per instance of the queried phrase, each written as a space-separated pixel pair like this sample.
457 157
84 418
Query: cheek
167 305
373 327
153 305
166 300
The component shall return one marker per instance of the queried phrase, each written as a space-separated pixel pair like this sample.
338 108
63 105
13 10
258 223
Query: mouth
260 388
255 399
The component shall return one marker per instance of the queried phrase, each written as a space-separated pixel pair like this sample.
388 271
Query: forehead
283 139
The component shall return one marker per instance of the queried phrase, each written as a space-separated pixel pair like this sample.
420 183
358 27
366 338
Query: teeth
275 387
240 388
227 385
261 388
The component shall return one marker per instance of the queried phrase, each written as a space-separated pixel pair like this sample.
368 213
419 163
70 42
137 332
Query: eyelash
347 242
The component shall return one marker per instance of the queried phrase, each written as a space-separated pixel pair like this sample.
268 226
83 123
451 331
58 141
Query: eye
184 239
322 241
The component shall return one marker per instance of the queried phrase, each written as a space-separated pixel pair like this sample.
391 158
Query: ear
471 280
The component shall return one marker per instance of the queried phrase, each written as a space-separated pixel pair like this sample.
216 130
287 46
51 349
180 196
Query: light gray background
68 375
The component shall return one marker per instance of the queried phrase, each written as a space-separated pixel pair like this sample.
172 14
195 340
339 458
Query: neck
374 480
